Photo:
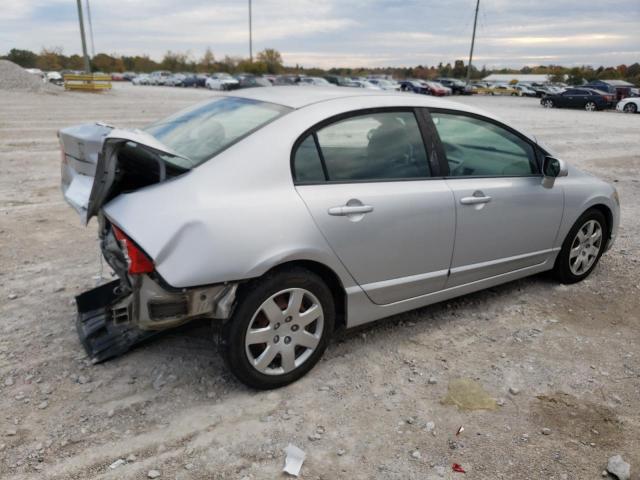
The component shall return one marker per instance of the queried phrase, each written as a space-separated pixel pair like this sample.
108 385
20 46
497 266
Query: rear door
506 219
376 195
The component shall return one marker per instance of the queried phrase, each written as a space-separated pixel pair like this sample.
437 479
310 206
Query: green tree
272 59
24 58
459 70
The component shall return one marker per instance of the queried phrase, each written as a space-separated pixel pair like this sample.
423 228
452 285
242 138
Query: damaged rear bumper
110 322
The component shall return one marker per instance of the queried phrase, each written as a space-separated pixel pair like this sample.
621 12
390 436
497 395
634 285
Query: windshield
201 132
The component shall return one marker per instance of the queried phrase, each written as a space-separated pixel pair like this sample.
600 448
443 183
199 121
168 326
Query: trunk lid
91 166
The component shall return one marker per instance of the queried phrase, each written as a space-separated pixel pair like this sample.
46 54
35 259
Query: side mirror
551 169
554 167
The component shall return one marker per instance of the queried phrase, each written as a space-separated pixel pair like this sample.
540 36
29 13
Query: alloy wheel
284 332
590 106
547 103
585 247
630 108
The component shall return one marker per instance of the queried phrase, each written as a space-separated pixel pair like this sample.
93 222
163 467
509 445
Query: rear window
201 132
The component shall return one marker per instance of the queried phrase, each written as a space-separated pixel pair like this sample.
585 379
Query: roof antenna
473 41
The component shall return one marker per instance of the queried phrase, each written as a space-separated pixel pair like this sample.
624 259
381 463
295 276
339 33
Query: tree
207 62
272 59
459 70
50 59
75 62
103 63
24 58
175 61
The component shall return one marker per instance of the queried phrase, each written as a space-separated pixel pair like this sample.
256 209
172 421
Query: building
518 77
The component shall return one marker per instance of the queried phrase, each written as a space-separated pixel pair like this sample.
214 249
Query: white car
315 81
142 79
221 81
629 105
385 84
363 84
159 77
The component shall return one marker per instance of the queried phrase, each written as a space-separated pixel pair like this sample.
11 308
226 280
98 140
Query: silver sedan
287 212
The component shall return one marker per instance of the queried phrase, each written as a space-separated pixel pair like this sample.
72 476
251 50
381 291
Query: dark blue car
414 86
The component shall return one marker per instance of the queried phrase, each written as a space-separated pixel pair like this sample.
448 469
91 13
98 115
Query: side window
480 148
307 165
375 146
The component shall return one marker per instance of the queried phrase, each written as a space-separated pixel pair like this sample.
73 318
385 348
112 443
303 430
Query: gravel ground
16 79
562 362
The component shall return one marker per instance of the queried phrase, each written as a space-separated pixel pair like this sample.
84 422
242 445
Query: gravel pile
14 78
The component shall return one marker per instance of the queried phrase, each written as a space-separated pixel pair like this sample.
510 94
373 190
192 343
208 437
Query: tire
590 106
548 103
580 251
282 294
630 108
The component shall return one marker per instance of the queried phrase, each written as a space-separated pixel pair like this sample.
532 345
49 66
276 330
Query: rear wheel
590 106
582 248
630 108
280 328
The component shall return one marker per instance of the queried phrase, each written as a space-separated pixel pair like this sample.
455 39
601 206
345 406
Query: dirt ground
374 406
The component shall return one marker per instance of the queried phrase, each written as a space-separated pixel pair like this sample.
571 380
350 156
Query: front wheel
582 248
280 328
548 103
590 106
630 108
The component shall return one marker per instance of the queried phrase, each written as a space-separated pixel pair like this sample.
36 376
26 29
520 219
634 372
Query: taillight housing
137 260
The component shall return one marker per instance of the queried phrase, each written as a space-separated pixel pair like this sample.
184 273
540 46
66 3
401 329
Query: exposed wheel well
332 281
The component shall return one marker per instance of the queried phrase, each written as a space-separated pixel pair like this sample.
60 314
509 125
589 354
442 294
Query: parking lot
374 407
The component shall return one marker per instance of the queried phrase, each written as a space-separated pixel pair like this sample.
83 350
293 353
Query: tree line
269 61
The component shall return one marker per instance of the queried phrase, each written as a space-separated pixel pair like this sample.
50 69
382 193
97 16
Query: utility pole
87 66
473 41
93 48
250 36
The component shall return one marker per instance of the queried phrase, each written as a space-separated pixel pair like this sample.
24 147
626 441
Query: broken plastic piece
458 468
293 461
460 430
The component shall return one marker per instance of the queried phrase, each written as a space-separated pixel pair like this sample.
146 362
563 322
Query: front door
366 180
506 219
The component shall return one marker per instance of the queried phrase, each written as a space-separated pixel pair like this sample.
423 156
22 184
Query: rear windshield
201 132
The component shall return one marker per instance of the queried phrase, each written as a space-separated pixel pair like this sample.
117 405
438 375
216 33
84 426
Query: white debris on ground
618 467
14 78
293 460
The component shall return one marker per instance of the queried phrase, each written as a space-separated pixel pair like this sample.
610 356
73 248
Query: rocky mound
14 78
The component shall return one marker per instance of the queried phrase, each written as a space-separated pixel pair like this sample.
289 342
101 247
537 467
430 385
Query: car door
506 219
372 190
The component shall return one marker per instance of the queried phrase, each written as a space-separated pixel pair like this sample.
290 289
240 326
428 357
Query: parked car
248 81
55 78
540 90
438 90
192 81
315 81
337 80
629 105
128 76
415 86
457 86
384 84
586 98
525 91
142 79
501 89
159 77
363 84
175 80
221 81
349 216
281 80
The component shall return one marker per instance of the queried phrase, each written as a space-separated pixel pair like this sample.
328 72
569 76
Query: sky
341 33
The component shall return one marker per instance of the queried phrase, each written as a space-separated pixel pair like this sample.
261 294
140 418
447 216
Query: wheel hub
277 355
585 247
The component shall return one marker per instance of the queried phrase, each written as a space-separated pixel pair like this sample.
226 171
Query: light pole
250 36
93 48
473 41
87 66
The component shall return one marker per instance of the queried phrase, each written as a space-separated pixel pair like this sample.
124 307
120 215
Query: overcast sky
329 33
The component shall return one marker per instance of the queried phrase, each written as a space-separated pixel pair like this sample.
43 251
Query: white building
519 77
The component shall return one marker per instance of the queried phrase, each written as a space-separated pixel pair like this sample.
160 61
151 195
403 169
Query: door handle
475 200
350 210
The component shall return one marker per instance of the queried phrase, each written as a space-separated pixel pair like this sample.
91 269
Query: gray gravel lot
374 406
